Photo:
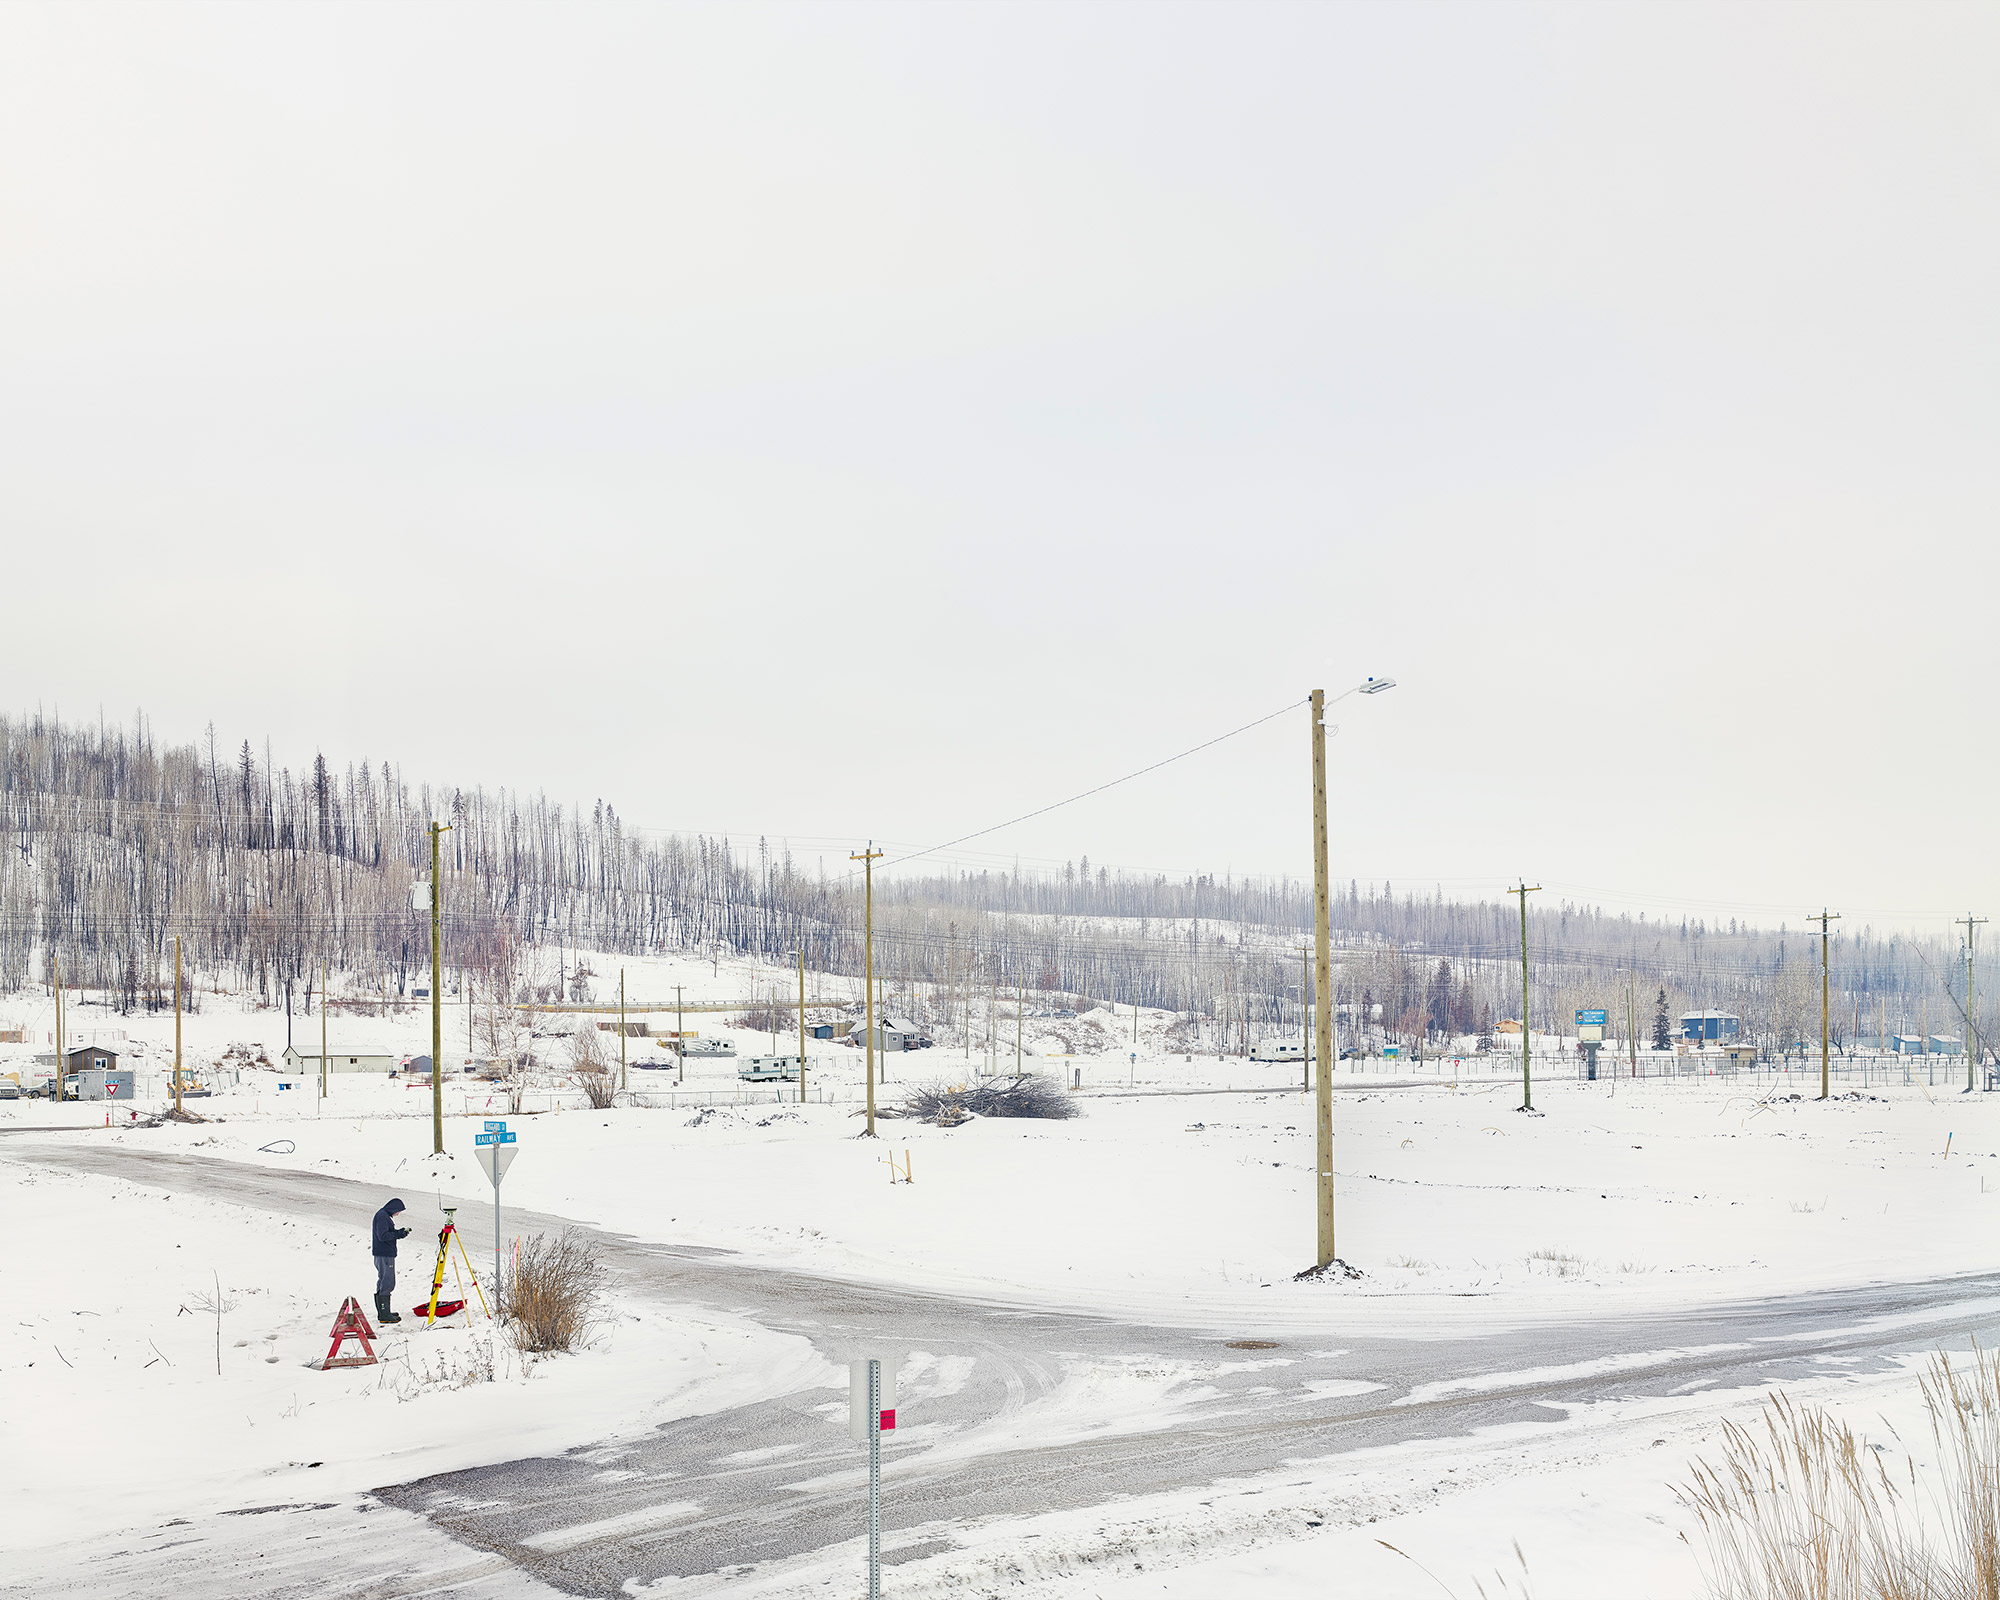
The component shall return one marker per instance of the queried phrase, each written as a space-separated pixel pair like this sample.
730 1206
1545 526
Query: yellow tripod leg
474 1276
437 1277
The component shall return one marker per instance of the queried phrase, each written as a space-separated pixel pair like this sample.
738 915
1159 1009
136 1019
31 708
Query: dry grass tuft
1965 1421
1805 1510
552 1303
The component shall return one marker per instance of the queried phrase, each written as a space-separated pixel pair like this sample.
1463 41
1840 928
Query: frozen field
1642 1212
1198 1206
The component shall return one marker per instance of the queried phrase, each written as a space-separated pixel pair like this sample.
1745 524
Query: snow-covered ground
128 1404
1197 1208
1189 1207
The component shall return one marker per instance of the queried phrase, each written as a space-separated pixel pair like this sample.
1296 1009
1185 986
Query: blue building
1709 1027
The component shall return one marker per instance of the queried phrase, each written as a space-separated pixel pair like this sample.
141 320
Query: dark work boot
382 1311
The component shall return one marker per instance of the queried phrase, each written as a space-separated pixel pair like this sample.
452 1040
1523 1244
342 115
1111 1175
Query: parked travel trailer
1280 1050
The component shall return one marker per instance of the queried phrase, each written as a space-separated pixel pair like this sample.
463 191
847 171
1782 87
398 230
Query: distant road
780 1479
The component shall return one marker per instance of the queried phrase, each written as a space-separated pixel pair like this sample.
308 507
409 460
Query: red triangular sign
350 1323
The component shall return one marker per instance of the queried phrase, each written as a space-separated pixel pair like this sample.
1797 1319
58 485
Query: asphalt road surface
780 1478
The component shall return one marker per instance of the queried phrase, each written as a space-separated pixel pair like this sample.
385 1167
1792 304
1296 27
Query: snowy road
1007 1412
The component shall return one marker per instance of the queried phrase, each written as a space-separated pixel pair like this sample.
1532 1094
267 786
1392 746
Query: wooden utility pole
868 859
680 1038
1020 1010
882 1007
437 1001
322 1028
1971 1027
1524 889
1305 1017
621 1028
56 1091
1631 1017
1825 996
1322 986
177 1025
802 1025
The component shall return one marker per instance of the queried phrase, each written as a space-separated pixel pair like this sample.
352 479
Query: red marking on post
350 1323
889 1421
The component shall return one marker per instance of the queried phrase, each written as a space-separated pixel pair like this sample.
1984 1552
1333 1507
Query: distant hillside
119 844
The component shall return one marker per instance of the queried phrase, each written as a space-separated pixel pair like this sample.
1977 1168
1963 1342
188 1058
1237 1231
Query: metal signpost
871 1412
496 1155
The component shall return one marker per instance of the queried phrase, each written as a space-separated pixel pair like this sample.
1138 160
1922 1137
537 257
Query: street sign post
871 1412
496 1154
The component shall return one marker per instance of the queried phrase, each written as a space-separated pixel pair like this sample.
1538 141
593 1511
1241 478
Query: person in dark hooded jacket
386 1235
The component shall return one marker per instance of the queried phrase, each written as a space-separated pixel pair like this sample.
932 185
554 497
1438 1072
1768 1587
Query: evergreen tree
1438 1001
1662 1034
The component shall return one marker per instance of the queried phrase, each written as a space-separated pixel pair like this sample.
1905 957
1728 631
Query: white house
894 1033
297 1060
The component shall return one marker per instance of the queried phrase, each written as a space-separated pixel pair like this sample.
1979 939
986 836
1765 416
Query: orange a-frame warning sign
350 1324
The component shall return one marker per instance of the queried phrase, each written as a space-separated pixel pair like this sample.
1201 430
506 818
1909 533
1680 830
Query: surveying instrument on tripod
447 1237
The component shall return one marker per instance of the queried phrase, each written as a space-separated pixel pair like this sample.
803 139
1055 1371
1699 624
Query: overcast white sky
833 421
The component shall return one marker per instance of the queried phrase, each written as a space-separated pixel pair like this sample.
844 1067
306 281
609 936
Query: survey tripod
447 1237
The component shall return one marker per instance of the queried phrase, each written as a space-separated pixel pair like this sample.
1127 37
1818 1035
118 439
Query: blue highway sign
503 1137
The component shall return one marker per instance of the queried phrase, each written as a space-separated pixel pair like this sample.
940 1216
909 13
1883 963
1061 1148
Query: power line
1042 811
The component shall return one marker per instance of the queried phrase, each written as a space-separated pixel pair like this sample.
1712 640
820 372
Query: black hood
393 1207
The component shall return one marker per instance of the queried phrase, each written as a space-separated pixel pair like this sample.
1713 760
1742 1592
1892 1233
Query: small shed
90 1058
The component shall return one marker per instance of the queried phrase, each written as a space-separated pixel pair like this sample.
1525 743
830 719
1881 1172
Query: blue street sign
496 1127
1586 1018
502 1137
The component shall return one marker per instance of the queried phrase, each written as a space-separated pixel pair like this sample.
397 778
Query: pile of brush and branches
949 1104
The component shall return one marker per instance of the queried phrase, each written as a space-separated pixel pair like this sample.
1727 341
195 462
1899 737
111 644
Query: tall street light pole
1323 970
437 1004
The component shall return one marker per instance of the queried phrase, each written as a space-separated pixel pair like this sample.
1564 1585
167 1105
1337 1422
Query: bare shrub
213 1302
586 1050
591 1066
1805 1510
990 1097
552 1302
